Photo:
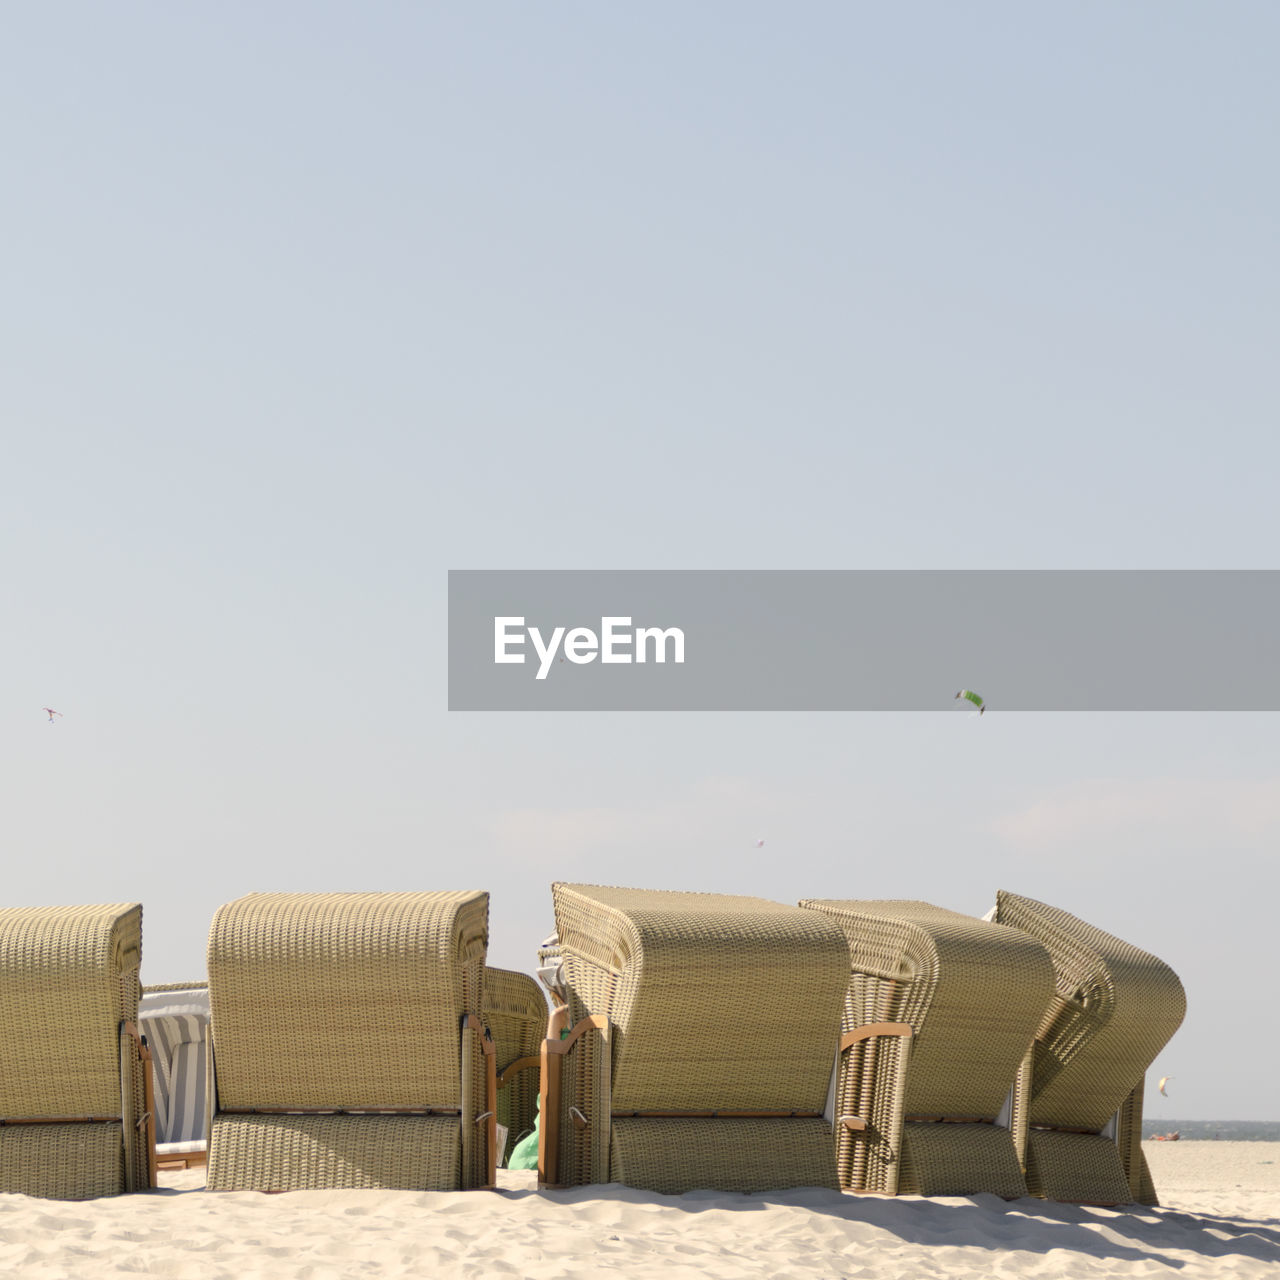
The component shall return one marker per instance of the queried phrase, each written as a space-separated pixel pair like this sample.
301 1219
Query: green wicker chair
1113 1010
515 1011
695 1045
939 1014
74 1074
347 1043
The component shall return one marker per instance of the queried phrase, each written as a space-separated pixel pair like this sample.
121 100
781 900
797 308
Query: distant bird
51 712
1164 1080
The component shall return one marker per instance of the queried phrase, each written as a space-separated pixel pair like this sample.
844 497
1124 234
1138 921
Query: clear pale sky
304 305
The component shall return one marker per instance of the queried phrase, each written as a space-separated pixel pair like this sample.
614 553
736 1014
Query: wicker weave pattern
343 1000
62 1161
973 993
1142 1189
959 1160
720 1003
68 981
68 978
726 1154
714 1003
1114 1008
349 1003
299 1153
515 1011
1076 1167
586 1077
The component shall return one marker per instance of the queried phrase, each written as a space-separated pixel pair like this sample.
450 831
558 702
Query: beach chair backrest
720 1002
344 1000
972 992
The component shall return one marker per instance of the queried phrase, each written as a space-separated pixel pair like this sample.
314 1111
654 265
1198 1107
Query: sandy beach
1220 1217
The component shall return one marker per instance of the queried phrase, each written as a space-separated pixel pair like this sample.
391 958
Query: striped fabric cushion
177 1030
178 1049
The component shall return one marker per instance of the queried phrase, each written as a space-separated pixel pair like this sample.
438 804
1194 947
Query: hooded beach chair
694 1045
175 1021
939 1014
515 1012
348 1048
74 1073
1113 1009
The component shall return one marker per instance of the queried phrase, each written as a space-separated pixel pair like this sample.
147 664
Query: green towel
524 1154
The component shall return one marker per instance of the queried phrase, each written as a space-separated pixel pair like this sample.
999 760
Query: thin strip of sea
1211 1130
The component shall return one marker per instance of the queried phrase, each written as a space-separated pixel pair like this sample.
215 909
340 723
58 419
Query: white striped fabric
176 1030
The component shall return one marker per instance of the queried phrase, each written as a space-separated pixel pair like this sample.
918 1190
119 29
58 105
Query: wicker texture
515 1011
1081 1168
68 981
1129 1144
744 1155
972 994
959 1160
1114 1008
348 1002
62 1161
308 1153
715 1003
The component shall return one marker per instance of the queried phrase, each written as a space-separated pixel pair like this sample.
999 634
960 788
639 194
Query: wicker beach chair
1114 1008
347 1042
74 1072
695 1044
174 1019
939 1013
515 1011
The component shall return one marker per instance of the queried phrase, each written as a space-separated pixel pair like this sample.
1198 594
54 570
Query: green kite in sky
976 698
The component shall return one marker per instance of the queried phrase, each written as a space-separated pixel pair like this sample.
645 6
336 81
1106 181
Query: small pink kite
51 712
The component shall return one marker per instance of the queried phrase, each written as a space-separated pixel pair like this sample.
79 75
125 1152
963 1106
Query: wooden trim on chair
716 1115
937 1119
1061 1128
133 1048
149 1096
339 1111
552 1057
549 1099
850 1038
6 1120
490 1115
513 1068
596 1020
182 1160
